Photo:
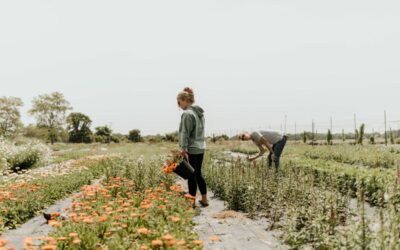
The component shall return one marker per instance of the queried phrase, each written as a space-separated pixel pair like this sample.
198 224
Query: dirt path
229 230
37 227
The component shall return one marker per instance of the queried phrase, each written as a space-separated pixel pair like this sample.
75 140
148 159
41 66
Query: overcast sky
250 62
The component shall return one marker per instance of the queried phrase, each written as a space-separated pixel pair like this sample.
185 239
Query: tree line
55 122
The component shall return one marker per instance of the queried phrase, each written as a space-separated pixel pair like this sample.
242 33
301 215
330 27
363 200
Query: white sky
250 62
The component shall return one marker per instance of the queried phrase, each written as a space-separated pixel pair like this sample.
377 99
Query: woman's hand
185 154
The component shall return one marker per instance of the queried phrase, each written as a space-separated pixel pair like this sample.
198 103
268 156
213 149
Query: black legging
196 179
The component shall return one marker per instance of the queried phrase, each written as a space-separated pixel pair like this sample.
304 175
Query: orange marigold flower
49 247
167 237
156 243
170 243
198 242
54 223
28 242
73 235
144 248
51 241
3 242
174 219
170 168
143 231
181 243
103 218
214 238
76 241
88 221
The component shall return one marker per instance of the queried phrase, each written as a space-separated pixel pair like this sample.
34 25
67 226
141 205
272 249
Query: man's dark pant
278 149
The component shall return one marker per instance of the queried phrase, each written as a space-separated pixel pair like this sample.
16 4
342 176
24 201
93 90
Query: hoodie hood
198 110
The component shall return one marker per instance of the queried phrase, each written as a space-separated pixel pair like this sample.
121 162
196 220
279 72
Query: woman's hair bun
189 90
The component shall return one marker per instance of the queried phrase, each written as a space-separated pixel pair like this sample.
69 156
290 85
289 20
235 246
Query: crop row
308 205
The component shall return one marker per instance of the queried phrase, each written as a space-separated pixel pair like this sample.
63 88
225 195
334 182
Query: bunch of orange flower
169 168
172 163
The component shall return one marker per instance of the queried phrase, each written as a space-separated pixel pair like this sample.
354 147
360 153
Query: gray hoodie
191 130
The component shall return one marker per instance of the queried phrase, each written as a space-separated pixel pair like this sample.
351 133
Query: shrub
103 134
134 135
22 155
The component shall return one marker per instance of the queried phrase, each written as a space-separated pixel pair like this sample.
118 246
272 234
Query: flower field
134 206
322 198
23 199
323 202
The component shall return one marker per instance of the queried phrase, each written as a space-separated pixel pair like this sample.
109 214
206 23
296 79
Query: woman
191 141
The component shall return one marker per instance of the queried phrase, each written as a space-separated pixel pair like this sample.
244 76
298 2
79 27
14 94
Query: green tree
372 139
50 111
10 117
304 137
118 138
361 134
356 136
78 126
391 137
134 135
329 137
103 134
32 131
172 137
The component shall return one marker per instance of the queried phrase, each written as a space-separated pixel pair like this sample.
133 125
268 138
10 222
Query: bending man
273 141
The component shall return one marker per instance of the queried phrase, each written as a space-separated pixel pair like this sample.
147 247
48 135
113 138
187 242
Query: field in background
323 197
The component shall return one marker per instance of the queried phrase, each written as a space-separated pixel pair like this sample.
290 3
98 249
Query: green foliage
119 138
140 196
245 150
329 137
360 135
172 137
222 137
103 134
356 136
10 117
78 126
135 136
372 139
154 138
305 137
391 137
45 192
310 200
49 111
32 131
367 156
